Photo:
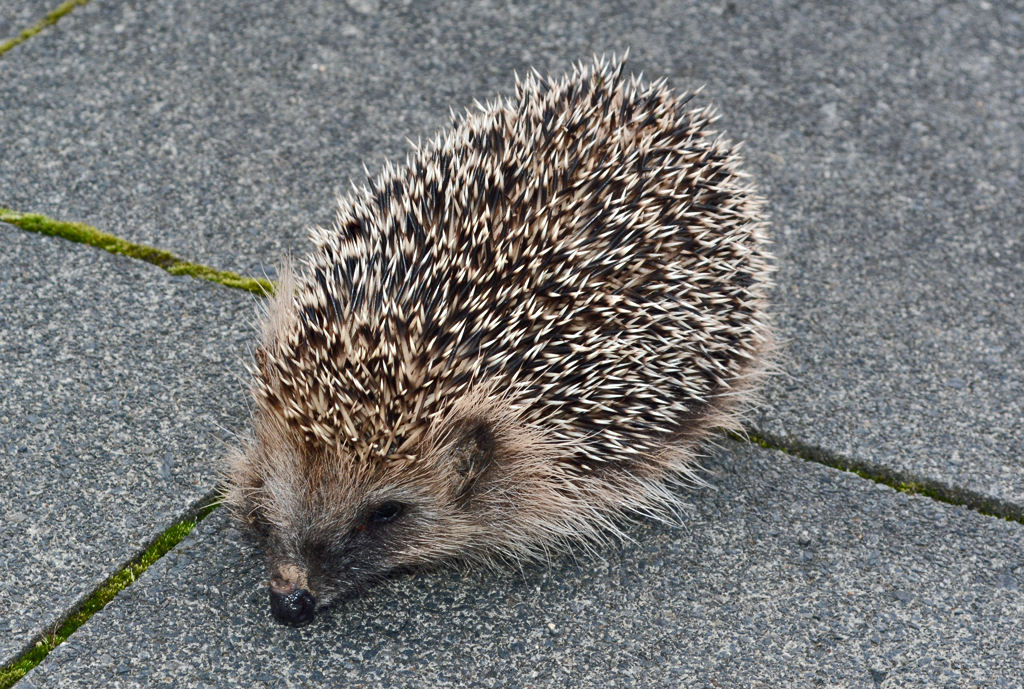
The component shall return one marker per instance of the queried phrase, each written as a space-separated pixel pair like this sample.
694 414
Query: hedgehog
512 343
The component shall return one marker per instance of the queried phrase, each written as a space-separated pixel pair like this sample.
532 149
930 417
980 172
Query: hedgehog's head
333 523
336 512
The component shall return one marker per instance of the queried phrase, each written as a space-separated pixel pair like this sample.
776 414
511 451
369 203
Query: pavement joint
120 580
901 481
49 20
86 234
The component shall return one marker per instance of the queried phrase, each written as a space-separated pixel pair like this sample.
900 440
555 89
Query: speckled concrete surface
118 384
897 197
17 15
787 574
887 136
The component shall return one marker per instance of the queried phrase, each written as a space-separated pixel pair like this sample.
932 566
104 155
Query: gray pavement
118 386
898 200
787 574
17 15
888 138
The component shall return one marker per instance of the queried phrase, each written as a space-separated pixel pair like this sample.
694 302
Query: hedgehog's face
337 553
331 526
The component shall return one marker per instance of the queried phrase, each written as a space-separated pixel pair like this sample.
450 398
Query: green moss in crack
952 495
86 234
258 286
18 668
49 20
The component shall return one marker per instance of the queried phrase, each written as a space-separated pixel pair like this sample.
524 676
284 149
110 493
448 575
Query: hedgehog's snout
289 603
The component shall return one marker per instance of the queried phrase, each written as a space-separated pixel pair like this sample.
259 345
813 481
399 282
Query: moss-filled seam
19 667
899 480
49 20
86 234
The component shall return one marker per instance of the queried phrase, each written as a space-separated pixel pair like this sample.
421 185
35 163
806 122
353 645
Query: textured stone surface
786 574
118 386
17 15
887 136
896 185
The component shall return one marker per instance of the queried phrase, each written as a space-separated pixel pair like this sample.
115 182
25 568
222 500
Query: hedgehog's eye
385 513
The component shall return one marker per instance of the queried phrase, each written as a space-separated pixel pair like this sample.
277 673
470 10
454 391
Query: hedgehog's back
586 247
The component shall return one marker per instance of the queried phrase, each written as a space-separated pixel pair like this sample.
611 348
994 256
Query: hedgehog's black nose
292 605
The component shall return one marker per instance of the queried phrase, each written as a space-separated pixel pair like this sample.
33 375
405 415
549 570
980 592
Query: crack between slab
39 647
86 234
49 20
902 481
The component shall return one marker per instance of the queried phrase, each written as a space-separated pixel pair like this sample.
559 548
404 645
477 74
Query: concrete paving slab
221 131
17 15
888 137
897 196
118 386
787 574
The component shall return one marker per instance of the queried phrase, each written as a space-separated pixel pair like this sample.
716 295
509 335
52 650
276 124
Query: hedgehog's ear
471 456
